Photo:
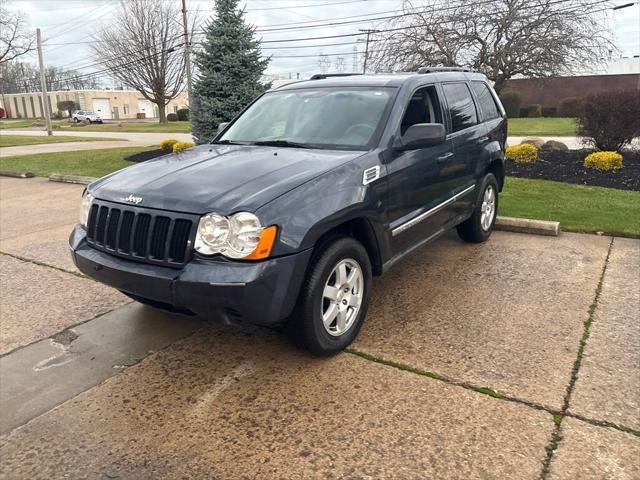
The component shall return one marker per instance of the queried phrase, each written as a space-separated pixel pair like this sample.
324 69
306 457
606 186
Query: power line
433 10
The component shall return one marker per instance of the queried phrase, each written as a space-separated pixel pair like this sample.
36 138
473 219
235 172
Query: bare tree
503 38
23 77
141 49
14 39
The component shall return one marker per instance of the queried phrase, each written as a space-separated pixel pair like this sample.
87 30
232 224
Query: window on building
175 109
486 102
125 109
461 107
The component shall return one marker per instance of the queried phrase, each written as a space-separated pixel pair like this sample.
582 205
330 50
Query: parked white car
81 115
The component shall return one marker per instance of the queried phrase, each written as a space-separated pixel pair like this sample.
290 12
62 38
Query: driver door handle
445 157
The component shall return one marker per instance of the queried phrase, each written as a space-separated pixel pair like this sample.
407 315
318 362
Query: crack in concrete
42 264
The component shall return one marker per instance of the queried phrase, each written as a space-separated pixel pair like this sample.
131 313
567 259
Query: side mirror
421 135
222 126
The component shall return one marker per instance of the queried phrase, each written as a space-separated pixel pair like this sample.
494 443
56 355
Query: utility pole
43 85
366 47
187 50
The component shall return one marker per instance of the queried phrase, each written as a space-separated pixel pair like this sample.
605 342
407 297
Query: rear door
468 136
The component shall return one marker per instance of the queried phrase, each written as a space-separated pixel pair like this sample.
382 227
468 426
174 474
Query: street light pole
43 85
187 50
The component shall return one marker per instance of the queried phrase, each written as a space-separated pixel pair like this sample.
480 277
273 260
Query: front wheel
334 298
479 226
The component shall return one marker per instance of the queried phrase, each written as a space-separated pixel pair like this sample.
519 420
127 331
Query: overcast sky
64 21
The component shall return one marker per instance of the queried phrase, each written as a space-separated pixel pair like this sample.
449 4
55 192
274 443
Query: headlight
85 208
237 236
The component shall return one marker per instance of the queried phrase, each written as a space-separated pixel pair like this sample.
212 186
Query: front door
414 178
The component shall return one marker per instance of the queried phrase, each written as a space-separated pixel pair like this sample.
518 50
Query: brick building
548 92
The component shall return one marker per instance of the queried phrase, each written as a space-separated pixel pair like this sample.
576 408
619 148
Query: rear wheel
334 298
479 226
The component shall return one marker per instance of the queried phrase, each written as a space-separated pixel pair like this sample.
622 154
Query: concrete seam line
457 383
556 436
70 327
42 264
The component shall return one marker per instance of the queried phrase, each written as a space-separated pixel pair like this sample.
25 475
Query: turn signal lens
267 239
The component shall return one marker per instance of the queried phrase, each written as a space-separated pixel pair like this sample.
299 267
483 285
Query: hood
219 178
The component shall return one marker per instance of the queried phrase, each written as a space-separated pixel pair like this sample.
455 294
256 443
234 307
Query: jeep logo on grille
132 199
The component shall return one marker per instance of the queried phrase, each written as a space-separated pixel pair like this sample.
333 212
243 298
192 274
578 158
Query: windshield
331 118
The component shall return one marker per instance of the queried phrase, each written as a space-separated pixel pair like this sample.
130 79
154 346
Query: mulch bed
567 167
144 156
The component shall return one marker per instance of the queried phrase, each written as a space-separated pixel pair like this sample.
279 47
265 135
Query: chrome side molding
423 216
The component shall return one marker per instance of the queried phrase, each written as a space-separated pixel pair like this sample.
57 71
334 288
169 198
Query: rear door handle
445 157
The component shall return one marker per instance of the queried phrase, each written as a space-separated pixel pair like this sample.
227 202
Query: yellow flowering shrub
604 161
523 153
168 144
180 146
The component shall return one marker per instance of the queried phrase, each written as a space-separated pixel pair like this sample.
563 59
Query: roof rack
321 76
444 69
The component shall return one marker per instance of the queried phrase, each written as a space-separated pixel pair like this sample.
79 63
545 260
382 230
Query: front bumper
262 292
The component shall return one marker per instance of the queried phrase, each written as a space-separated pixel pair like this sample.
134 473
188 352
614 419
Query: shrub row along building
109 104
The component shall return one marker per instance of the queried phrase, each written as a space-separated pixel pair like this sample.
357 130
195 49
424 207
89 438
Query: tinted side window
423 107
461 107
486 102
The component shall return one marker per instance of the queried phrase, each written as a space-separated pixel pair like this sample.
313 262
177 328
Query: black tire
472 230
76 120
305 324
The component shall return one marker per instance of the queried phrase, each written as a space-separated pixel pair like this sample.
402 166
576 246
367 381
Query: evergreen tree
229 71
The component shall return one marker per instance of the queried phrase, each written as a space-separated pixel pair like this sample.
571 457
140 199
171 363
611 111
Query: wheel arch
360 229
496 166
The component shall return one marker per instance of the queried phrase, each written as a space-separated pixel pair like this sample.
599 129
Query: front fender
304 214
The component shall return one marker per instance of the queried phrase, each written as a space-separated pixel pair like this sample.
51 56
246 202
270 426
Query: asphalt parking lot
518 358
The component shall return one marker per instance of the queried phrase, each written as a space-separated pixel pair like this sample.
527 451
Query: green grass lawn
175 127
19 140
88 163
4 124
542 127
578 208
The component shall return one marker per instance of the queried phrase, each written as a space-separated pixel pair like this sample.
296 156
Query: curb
526 225
6 173
72 179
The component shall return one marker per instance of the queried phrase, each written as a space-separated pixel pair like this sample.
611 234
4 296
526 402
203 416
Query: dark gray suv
313 189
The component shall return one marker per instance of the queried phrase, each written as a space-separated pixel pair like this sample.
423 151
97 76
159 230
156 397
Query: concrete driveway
121 140
518 358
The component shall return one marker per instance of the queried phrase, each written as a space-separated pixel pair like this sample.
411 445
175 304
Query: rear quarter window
462 110
486 101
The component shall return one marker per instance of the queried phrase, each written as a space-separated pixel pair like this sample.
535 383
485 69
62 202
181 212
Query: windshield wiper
281 143
227 142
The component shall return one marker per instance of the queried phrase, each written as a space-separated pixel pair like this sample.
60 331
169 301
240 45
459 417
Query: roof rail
320 76
444 69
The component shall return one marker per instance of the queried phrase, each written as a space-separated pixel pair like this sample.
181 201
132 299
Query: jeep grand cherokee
313 189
